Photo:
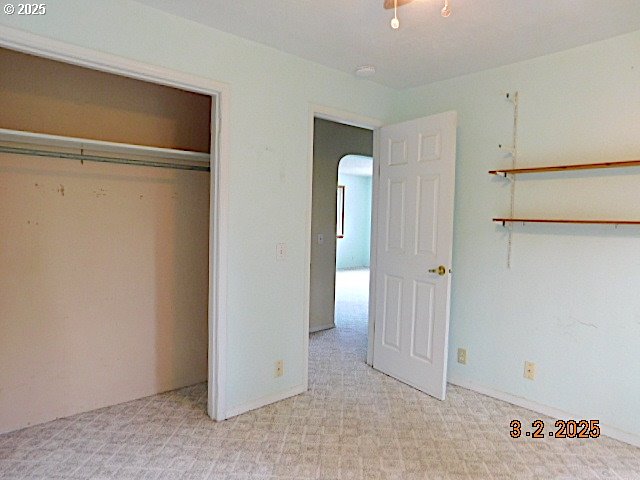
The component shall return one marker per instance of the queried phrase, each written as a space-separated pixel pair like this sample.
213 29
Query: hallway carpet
353 423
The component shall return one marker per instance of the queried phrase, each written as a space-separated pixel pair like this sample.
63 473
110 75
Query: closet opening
105 256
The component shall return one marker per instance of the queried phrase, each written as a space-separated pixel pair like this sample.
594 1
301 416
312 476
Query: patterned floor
353 423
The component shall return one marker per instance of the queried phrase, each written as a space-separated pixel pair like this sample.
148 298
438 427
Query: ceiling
480 34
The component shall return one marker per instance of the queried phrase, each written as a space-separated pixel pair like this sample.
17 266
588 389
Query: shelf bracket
513 98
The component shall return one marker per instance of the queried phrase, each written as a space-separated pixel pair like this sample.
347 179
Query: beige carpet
353 423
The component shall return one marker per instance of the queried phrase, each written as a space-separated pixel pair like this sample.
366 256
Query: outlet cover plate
279 368
462 356
529 370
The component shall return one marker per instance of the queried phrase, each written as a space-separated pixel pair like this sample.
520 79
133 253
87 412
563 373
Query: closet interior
104 244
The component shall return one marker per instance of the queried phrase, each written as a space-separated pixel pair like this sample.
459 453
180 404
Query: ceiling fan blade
388 4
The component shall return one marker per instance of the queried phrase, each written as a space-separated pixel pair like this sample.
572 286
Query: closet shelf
550 220
562 168
56 146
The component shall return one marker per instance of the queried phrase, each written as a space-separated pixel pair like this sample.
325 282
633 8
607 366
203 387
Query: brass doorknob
441 270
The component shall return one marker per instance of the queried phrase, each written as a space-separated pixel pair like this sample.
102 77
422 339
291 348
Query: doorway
412 219
332 142
353 240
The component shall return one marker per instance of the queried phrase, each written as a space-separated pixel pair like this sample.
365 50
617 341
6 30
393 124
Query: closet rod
101 159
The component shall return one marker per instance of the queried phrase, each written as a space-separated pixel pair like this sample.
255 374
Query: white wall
570 302
353 250
270 174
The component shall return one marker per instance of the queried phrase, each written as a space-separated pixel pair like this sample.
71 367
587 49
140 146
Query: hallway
352 298
353 423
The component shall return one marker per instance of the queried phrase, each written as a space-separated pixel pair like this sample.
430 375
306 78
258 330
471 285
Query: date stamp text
563 429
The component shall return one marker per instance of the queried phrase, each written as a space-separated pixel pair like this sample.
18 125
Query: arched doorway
353 239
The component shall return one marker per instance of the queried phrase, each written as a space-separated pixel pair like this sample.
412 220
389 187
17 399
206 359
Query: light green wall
352 251
570 302
271 93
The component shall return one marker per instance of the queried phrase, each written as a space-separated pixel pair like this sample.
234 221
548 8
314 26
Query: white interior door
414 240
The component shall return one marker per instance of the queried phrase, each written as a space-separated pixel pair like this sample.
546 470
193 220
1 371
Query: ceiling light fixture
446 10
395 23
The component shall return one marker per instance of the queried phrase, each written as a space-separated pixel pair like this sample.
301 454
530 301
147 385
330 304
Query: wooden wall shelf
550 220
562 168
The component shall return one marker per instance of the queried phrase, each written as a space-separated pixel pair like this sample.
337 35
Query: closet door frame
26 42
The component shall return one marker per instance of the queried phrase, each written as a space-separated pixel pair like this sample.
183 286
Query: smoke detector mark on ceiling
365 71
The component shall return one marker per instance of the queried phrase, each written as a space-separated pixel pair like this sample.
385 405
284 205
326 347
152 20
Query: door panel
417 179
392 311
430 147
423 320
396 215
427 216
397 151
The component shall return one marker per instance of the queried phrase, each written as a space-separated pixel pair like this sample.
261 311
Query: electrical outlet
279 368
462 356
281 251
529 370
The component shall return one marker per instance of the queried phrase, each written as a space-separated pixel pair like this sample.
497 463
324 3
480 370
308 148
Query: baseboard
322 327
266 400
553 412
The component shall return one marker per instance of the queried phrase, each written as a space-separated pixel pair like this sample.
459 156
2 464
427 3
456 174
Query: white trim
373 254
44 47
553 412
345 118
266 400
319 328
306 306
218 262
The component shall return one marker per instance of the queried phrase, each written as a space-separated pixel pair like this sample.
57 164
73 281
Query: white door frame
26 42
355 120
